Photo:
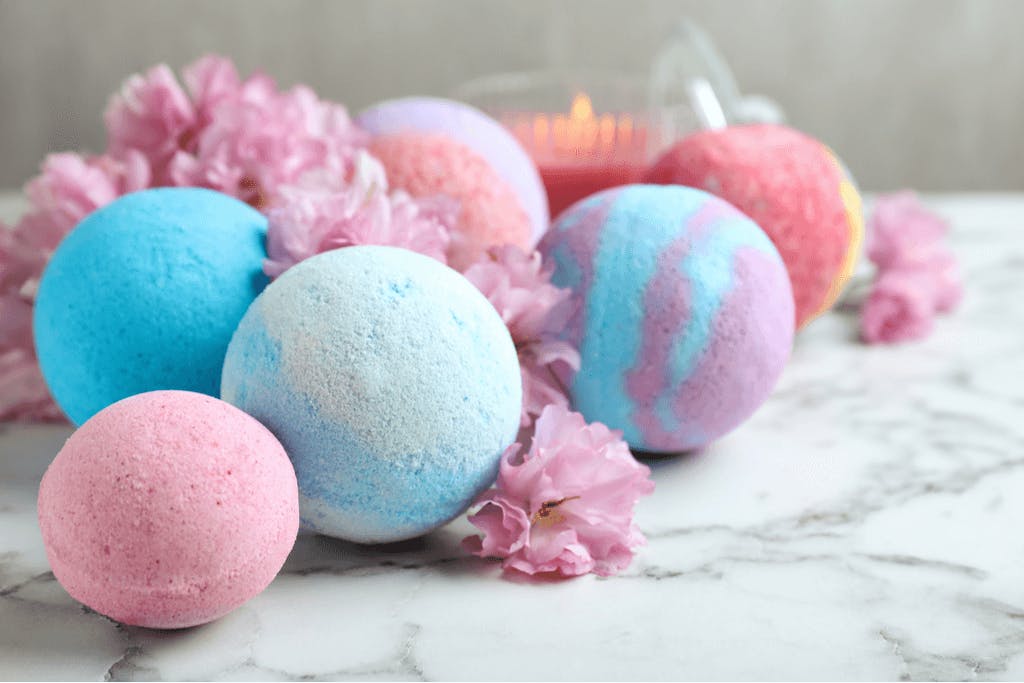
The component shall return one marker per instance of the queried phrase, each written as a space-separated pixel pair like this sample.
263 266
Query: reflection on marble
865 524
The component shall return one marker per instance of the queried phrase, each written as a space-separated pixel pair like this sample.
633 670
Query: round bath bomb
791 185
427 164
390 380
478 131
684 315
168 509
144 294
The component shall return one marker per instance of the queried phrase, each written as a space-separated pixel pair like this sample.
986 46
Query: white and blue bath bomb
392 383
144 294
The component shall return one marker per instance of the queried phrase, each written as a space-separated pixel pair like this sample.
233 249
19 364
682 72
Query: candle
580 153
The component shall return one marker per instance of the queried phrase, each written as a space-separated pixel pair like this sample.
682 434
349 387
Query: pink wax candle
580 153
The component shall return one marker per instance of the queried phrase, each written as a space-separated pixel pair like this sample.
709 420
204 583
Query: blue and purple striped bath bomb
684 316
392 383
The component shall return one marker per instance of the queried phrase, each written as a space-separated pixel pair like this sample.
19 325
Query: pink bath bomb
475 129
168 509
428 164
793 187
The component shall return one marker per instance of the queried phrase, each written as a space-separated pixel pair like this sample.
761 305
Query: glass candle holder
586 130
590 130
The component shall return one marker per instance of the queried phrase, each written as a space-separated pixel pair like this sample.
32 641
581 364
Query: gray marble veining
864 524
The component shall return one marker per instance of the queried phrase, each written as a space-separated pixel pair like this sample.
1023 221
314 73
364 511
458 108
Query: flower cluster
244 138
519 286
308 220
566 505
918 275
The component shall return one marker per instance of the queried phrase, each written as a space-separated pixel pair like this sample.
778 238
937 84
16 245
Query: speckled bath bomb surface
684 318
168 509
429 164
390 380
478 131
144 295
793 187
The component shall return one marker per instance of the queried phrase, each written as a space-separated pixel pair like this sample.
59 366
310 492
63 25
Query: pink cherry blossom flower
310 220
244 138
565 506
211 80
68 189
535 311
902 231
151 115
23 393
262 140
949 284
24 396
19 262
900 307
918 275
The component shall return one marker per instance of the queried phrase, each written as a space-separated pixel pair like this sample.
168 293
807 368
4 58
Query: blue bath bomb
144 294
390 380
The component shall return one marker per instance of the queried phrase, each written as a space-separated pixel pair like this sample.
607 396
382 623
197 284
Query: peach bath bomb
392 383
428 164
792 186
168 509
144 295
684 313
478 131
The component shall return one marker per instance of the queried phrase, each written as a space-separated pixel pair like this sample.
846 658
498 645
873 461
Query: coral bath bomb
427 164
789 184
144 294
476 130
390 380
684 315
168 509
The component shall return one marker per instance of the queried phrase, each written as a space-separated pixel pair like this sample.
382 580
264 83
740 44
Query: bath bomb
390 380
144 294
427 164
684 315
792 186
168 509
476 130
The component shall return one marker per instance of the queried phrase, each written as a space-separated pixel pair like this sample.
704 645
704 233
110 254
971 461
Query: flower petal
566 505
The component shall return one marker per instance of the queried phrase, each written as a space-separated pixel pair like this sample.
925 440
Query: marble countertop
866 523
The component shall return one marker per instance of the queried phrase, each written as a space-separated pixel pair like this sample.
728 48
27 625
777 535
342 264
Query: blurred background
926 94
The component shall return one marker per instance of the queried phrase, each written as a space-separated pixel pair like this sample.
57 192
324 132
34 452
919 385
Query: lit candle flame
580 132
582 110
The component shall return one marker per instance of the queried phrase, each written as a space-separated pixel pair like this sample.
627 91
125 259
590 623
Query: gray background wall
920 93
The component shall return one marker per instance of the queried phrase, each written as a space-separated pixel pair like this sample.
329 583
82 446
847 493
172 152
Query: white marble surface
867 523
